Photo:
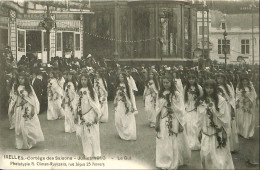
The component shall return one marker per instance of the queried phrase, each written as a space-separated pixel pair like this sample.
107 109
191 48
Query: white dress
87 129
191 118
172 149
11 108
124 115
69 104
28 130
132 86
230 99
213 157
246 110
150 96
102 96
55 96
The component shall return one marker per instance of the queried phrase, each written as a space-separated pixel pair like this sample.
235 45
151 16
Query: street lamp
225 48
48 23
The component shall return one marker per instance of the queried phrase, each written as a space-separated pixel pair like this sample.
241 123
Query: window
205 30
223 25
59 41
221 46
21 41
77 42
245 46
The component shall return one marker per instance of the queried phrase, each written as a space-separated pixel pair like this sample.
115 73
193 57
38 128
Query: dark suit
38 88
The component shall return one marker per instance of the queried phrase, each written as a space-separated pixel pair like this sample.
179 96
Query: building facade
21 30
241 24
141 30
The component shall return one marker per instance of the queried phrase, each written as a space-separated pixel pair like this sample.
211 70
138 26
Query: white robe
150 96
191 119
11 108
87 129
101 91
69 106
133 87
28 130
211 156
173 150
233 138
246 110
55 97
124 121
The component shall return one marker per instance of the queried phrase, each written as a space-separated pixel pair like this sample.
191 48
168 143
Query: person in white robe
192 92
150 96
11 108
246 107
87 118
124 111
69 103
28 130
100 87
215 129
226 91
55 97
172 149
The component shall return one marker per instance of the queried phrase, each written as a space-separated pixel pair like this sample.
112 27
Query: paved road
141 151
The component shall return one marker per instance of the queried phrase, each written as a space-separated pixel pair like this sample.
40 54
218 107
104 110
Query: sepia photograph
129 84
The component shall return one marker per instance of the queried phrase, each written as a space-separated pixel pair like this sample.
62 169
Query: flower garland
79 111
247 105
153 94
169 115
26 115
69 100
122 94
98 92
221 141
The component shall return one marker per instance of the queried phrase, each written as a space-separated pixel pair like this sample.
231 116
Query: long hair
154 80
214 96
26 84
188 87
172 88
225 85
89 85
73 82
240 84
125 82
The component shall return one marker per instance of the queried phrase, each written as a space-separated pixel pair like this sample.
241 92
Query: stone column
13 33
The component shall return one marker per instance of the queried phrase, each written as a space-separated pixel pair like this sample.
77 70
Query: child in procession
246 107
124 111
150 95
192 92
69 102
87 118
172 149
215 129
226 91
28 130
55 96
100 87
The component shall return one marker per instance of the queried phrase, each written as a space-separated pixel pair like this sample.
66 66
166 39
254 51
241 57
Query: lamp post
225 48
48 24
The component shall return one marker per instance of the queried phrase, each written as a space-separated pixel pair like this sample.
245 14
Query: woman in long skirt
246 107
28 130
192 91
172 149
69 102
87 118
226 91
150 96
215 129
100 87
55 96
124 111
